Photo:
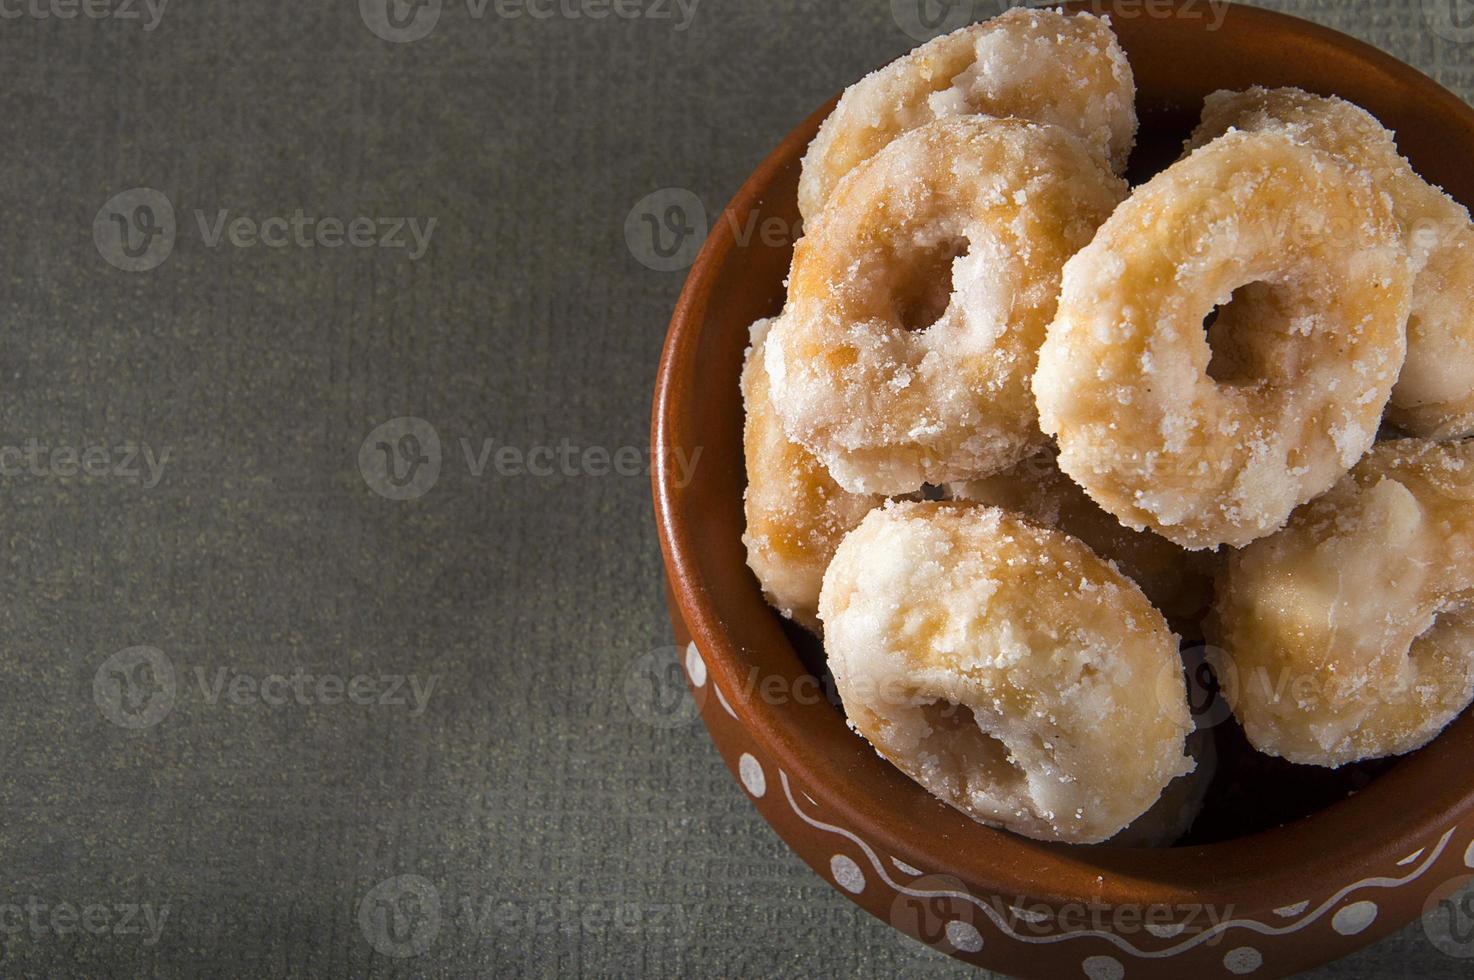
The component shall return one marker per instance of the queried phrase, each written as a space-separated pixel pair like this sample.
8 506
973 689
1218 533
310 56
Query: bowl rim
1332 842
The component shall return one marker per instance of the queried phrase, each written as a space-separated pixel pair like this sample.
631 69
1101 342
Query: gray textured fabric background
564 822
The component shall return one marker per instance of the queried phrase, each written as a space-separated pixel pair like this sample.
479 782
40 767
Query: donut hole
924 291
964 748
1246 335
1228 327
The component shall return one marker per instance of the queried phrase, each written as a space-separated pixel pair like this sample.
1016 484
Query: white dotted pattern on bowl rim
1348 920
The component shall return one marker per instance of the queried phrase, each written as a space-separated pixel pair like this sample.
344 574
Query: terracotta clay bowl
1289 867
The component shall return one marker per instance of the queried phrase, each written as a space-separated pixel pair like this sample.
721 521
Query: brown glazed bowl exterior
1265 904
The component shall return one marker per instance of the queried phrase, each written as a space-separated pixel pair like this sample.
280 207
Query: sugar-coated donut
1005 668
1350 634
918 300
1160 431
1434 397
1039 65
796 514
1177 581
1172 816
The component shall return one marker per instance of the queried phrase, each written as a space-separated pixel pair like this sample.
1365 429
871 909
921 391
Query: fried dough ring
1434 396
796 514
1039 65
1005 668
885 401
1178 582
1182 802
1124 379
1350 634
